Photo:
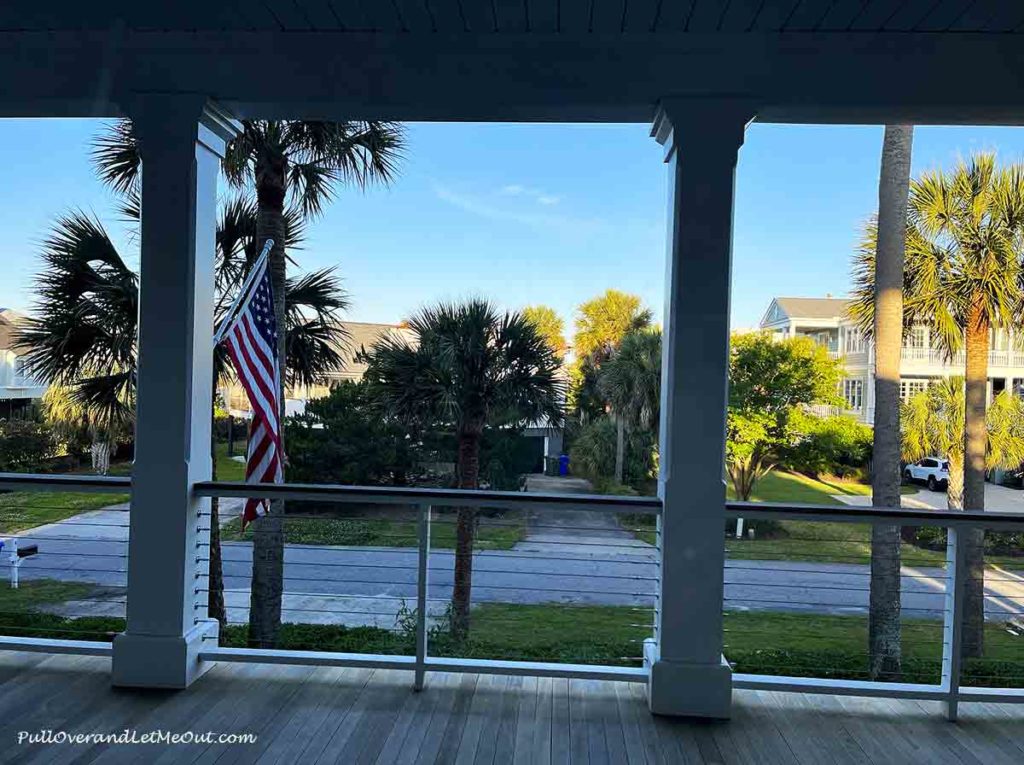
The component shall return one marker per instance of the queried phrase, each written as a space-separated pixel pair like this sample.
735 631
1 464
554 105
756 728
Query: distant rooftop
807 308
8 318
362 335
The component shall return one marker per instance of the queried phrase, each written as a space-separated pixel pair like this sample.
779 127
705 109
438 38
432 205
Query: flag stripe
251 344
256 393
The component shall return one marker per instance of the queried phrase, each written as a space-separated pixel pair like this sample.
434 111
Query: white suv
933 471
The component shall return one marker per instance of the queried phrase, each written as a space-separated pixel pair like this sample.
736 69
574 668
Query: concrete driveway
998 499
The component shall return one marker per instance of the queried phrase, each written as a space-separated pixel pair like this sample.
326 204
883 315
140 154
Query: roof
8 318
809 308
363 335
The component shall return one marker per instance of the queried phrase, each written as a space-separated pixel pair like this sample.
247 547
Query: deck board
305 714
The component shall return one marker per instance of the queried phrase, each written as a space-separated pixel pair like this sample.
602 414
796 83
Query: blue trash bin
563 464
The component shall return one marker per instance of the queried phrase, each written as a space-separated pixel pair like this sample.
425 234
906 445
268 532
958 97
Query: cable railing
797 608
63 563
559 584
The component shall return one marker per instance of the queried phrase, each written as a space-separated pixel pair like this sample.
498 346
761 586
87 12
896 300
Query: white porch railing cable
814 578
400 581
75 581
569 558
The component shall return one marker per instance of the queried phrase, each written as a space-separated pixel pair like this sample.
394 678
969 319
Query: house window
853 392
909 388
20 378
917 338
854 342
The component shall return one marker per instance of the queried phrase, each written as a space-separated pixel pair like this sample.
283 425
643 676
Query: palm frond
115 155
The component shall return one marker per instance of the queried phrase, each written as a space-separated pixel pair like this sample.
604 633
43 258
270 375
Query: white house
17 391
825 320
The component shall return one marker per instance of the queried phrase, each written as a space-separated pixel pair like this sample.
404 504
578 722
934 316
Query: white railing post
687 673
181 140
953 619
422 594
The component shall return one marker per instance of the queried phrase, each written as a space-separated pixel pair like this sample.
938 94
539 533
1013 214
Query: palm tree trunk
975 445
268 531
884 633
620 448
215 592
468 473
955 490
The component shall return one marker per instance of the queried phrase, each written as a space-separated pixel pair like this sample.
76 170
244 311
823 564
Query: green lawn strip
498 534
809 645
809 540
756 642
229 469
33 592
18 617
23 510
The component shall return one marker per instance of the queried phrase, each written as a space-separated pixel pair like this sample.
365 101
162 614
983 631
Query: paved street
576 559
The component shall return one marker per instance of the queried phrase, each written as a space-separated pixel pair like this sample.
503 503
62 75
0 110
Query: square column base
687 690
149 661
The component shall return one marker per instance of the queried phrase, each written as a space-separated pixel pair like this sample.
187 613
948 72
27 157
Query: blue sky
527 213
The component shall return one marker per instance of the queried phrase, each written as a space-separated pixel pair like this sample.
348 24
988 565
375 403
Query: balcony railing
581 552
800 591
935 357
829 410
795 599
71 589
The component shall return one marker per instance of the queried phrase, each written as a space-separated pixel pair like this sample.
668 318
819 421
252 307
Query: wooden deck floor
304 715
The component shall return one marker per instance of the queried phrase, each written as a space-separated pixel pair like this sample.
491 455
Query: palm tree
550 325
935 422
471 368
631 381
289 164
601 325
884 633
81 337
963 280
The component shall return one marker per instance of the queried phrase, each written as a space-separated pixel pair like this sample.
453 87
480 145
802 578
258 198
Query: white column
181 139
688 675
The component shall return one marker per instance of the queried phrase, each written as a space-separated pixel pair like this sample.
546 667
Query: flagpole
240 297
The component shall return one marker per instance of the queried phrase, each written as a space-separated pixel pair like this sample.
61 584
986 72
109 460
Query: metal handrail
852 514
98 484
386 495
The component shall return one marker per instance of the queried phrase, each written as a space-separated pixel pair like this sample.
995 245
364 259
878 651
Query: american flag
251 342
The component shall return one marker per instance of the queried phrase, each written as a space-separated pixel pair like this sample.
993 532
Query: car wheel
907 476
944 486
933 485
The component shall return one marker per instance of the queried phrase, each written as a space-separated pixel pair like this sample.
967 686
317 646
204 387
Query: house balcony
931 357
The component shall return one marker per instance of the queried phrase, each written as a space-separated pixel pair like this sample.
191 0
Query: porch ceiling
853 61
519 16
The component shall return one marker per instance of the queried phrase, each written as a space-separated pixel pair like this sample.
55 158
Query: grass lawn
811 541
800 645
808 540
229 469
32 592
501 534
23 510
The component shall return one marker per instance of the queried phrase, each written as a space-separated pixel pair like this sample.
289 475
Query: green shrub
341 439
25 446
592 455
839 446
1009 543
